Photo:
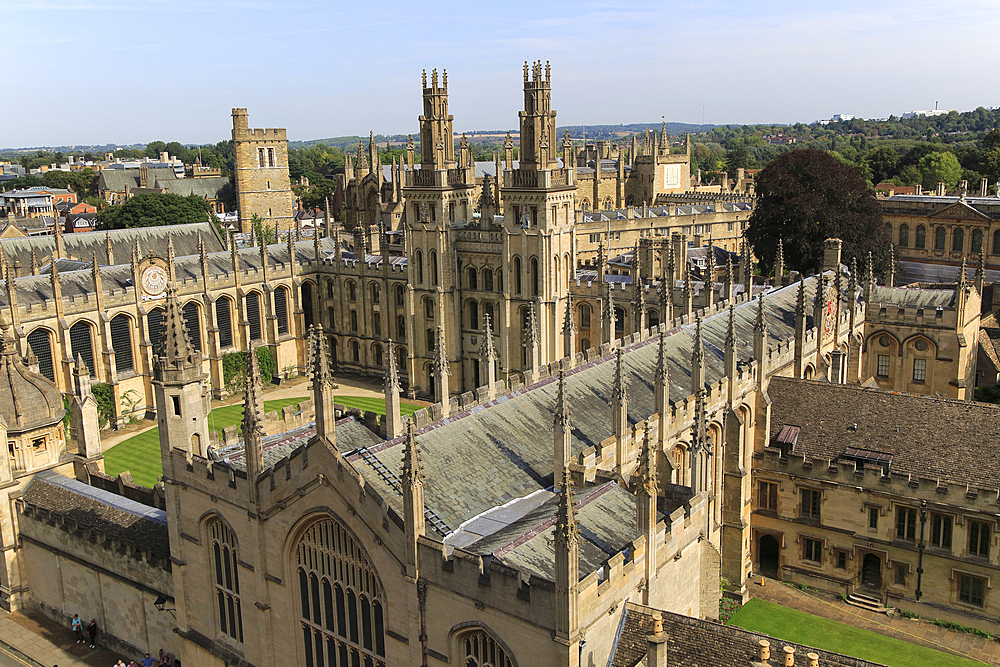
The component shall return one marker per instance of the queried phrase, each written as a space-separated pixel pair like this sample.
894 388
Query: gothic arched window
488 280
81 343
482 650
121 343
958 240
473 278
227 580
977 240
904 235
921 240
41 346
155 328
192 324
307 303
281 310
253 316
342 603
224 321
939 238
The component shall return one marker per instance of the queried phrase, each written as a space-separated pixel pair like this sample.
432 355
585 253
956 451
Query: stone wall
76 571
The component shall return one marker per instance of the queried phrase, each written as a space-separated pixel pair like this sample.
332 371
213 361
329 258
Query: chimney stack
789 656
765 650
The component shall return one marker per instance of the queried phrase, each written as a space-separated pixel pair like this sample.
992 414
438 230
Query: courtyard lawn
376 405
140 454
802 628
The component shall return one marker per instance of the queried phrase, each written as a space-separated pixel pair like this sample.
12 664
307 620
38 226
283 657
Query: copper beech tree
808 196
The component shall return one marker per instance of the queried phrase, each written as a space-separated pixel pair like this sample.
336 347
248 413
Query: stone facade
262 184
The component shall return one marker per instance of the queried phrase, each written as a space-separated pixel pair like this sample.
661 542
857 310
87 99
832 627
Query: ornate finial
253 403
177 351
620 391
562 404
569 321
761 323
662 377
800 305
486 348
80 367
391 381
413 473
567 532
647 465
852 284
320 366
440 364
961 276
731 329
698 351
170 250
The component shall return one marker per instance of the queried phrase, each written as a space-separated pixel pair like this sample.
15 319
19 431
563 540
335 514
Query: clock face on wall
154 281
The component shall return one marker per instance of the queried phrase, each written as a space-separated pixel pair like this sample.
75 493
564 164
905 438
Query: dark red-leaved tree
807 196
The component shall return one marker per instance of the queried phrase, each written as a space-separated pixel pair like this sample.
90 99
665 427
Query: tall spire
252 426
322 386
800 329
413 497
177 356
569 332
171 259
391 389
731 359
442 392
729 288
890 280
487 359
533 343
760 340
619 412
981 271
608 316
661 388
562 442
779 263
688 293
648 484
567 553
698 358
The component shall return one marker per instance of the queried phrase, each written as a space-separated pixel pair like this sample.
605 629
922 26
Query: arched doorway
767 556
871 571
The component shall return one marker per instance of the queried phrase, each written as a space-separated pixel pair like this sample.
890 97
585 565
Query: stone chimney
764 647
940 189
831 254
789 656
656 644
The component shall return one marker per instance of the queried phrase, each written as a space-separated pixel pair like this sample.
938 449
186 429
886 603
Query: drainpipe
920 547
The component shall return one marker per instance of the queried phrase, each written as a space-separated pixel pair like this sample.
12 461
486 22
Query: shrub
105 396
908 614
727 608
267 364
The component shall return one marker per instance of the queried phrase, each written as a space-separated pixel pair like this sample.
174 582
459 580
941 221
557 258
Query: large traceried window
342 604
156 328
121 343
224 320
253 316
227 580
81 344
192 323
481 650
41 346
281 310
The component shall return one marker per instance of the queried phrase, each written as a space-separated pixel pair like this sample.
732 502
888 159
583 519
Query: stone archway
767 556
871 571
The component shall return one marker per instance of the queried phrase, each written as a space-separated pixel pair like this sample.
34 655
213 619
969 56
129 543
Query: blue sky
125 71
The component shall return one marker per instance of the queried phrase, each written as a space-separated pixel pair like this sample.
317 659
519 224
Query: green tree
807 196
262 232
153 210
940 167
884 163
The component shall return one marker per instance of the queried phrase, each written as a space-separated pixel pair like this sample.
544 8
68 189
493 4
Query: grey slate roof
606 517
84 245
914 298
209 187
101 510
351 435
115 180
481 458
943 438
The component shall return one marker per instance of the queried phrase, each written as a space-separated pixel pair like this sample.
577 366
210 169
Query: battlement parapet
845 471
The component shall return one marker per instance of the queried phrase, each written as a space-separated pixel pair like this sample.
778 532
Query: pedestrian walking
77 626
92 631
